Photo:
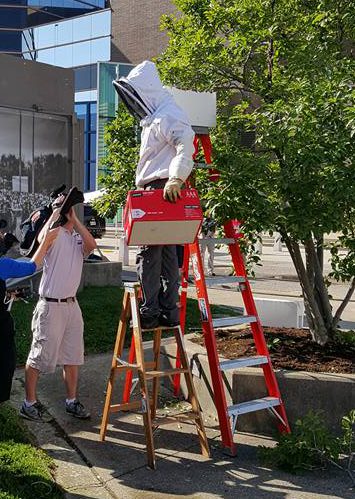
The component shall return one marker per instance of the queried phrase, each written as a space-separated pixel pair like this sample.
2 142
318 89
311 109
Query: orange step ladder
228 415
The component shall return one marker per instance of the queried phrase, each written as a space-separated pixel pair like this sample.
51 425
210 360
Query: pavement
116 468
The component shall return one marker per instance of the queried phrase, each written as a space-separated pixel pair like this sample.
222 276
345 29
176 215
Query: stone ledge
101 274
301 391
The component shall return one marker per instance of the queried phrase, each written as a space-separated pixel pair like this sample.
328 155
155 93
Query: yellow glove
172 189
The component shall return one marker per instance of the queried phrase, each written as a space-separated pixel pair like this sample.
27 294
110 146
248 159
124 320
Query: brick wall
135 29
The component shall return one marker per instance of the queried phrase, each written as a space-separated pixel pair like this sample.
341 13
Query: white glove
172 189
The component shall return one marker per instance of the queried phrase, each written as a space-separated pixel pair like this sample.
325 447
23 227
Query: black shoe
149 322
165 322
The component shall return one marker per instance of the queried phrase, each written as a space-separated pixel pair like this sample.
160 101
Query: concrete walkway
88 468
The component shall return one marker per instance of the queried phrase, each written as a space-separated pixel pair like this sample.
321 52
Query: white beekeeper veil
143 93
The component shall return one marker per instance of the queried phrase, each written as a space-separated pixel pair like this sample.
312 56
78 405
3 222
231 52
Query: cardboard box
149 219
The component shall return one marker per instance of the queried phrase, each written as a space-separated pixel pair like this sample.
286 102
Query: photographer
10 268
57 323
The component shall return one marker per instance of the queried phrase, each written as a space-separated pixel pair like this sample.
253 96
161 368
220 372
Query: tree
283 69
119 163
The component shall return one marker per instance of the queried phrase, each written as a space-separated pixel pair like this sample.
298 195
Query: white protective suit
165 163
167 137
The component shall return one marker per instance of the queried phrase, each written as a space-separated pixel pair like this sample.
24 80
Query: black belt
59 300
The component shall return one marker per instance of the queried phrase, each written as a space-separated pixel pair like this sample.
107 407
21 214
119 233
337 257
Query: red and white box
149 219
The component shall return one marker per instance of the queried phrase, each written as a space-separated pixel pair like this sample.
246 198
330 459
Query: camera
23 293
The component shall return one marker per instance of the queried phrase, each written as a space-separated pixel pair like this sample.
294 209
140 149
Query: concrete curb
333 394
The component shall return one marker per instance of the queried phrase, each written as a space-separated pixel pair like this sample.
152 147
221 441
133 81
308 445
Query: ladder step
127 406
125 365
234 321
218 240
222 280
256 360
166 372
253 405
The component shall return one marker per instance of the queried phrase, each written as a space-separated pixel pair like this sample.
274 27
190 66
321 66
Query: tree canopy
284 70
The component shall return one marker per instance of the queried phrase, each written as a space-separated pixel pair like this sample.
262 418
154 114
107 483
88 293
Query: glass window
92 146
81 53
107 97
85 77
101 49
101 24
63 56
82 114
47 56
46 36
82 28
93 116
64 32
91 51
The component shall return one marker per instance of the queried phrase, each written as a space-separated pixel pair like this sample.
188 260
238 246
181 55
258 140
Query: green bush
312 446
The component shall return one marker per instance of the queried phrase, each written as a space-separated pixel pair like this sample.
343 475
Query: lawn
101 309
25 471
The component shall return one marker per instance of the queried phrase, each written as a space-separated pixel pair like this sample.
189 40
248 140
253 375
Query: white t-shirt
62 266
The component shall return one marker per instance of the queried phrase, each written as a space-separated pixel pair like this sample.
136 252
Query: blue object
15 268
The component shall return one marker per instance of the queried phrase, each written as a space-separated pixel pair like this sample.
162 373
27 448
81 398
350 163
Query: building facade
41 140
99 39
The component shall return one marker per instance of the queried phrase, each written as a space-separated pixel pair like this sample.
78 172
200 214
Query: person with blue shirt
10 268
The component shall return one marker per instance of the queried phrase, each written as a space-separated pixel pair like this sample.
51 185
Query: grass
25 471
101 309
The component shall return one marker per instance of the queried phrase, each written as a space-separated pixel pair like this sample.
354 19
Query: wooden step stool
148 371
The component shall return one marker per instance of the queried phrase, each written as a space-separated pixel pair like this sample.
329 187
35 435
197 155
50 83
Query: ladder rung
131 284
166 372
221 280
188 416
125 365
253 405
234 321
256 360
218 240
136 404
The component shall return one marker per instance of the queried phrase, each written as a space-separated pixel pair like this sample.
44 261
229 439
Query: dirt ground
289 349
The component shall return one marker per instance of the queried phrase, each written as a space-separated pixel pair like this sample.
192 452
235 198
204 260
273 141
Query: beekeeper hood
143 93
167 137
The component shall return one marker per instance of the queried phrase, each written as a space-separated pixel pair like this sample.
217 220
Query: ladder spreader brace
228 415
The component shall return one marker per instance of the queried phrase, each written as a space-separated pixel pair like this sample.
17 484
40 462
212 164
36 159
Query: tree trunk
317 309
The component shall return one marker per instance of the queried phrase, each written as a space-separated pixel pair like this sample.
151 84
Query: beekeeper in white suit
165 163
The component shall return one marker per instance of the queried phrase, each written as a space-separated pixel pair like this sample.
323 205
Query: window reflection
87 111
74 42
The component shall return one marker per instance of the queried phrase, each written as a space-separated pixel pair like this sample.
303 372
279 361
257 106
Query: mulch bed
289 349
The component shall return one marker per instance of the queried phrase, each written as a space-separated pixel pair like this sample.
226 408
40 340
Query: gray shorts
57 336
